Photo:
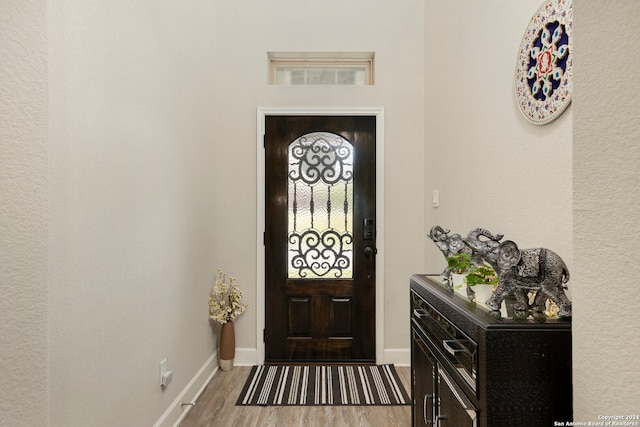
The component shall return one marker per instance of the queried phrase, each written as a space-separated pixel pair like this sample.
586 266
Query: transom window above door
321 68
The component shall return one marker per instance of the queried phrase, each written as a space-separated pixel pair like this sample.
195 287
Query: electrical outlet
165 374
163 368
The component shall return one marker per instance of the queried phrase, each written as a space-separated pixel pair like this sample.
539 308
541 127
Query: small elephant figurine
449 244
522 271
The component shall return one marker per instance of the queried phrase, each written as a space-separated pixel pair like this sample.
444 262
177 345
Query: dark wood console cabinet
474 367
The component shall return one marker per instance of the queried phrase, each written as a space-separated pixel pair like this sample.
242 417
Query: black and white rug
269 385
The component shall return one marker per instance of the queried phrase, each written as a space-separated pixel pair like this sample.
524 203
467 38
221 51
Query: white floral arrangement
224 301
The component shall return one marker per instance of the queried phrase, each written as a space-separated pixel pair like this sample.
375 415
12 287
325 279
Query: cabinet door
423 383
454 410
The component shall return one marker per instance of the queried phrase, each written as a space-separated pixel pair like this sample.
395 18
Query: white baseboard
176 412
246 357
397 356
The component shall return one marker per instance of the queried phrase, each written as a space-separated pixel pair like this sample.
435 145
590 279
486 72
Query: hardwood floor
216 407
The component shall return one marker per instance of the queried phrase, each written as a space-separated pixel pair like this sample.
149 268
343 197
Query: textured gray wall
24 211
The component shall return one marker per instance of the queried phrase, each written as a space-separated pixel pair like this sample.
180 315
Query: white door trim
262 112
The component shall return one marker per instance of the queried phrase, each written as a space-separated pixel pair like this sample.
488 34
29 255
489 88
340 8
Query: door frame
262 112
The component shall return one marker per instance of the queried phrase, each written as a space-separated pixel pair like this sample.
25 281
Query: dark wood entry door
320 239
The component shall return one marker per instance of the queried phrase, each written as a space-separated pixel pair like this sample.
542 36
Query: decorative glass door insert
320 207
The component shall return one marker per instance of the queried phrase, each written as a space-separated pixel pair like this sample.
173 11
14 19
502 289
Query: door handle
369 253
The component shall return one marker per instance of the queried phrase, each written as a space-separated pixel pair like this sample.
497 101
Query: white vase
483 293
459 287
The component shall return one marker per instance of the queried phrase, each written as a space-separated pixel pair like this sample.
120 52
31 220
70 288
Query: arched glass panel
320 224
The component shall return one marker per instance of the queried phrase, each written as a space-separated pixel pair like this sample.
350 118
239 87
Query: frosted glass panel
321 76
352 76
320 200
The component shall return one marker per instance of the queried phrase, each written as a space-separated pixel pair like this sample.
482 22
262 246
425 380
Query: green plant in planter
482 274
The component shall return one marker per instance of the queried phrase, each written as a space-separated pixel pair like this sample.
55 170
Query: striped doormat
275 385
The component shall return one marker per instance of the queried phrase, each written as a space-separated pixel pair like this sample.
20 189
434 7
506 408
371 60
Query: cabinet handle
419 313
447 346
440 417
425 412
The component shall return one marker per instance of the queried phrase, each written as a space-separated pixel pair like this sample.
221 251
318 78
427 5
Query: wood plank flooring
216 407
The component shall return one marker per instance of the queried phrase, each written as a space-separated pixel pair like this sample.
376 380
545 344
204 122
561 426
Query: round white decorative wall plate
544 66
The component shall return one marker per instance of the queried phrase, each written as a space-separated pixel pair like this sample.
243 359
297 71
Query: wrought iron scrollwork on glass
320 157
320 181
317 254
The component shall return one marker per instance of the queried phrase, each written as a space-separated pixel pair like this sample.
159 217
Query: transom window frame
333 62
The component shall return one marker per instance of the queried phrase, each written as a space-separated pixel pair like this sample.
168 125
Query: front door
320 239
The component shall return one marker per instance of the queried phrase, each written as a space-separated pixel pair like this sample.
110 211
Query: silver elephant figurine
521 271
449 244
